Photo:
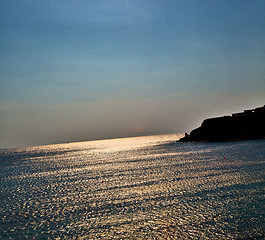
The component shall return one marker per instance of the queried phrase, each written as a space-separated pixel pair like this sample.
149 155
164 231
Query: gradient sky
94 69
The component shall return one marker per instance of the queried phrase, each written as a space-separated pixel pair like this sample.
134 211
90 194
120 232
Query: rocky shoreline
249 124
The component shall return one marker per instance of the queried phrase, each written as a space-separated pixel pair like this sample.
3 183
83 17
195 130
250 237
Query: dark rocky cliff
249 124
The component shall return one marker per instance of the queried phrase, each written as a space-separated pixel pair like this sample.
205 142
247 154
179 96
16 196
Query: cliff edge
249 124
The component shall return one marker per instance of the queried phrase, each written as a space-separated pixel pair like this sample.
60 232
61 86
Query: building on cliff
249 124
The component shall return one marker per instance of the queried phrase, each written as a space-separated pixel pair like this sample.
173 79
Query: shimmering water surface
134 188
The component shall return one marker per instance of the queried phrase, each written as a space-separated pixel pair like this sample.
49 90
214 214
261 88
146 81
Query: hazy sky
93 69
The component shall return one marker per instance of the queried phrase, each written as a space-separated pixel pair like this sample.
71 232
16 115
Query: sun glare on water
133 188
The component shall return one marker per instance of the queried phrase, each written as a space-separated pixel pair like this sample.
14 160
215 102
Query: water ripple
136 188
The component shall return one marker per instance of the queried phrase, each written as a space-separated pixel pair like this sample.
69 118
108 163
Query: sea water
134 188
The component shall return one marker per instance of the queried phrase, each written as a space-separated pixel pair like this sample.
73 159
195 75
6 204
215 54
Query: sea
134 188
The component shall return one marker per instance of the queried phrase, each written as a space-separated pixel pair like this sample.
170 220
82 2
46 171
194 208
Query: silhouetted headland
249 124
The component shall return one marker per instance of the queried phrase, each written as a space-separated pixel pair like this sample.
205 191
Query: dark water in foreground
134 188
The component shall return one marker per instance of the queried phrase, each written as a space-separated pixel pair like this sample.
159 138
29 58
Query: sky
95 69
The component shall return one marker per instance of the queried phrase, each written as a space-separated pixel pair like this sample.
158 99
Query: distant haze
83 70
